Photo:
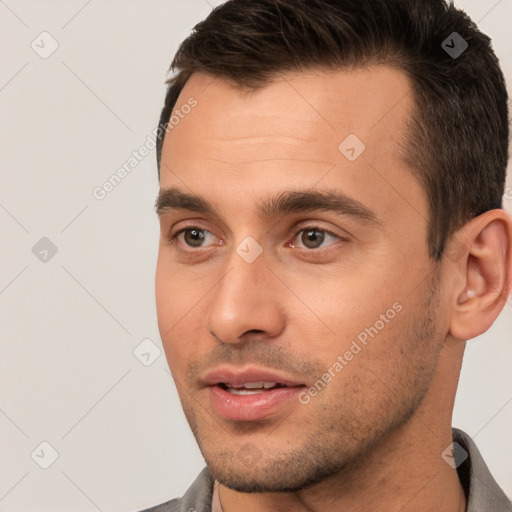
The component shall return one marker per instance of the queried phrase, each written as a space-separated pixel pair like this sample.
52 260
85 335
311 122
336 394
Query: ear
481 254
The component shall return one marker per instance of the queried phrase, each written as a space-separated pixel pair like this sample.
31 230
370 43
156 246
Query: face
296 300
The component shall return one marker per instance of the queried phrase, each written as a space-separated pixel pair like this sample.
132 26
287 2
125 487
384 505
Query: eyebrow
287 202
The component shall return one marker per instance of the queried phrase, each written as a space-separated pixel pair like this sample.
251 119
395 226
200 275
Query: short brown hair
457 142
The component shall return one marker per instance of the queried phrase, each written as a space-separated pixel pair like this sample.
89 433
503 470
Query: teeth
252 385
236 391
256 385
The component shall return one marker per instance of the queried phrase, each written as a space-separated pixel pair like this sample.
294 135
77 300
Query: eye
311 238
314 238
194 237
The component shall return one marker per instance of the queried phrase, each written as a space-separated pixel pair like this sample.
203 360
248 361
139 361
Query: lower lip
252 407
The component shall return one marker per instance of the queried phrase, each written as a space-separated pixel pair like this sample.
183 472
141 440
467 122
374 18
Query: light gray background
69 326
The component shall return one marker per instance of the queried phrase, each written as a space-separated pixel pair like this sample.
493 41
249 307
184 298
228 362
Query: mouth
252 394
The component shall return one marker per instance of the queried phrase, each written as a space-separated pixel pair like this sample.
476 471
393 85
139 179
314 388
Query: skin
375 433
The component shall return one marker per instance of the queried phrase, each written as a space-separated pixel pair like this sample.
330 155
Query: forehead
307 105
300 131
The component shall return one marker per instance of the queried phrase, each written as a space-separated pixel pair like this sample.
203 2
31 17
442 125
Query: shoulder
198 497
482 491
169 506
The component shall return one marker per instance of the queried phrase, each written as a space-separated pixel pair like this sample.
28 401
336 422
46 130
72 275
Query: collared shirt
483 494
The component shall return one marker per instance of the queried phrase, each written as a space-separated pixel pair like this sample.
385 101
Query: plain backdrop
77 273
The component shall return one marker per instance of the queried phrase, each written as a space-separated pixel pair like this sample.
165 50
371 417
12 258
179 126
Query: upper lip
237 377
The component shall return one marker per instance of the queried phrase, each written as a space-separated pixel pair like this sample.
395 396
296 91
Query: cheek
358 325
164 296
339 304
171 307
179 302
176 292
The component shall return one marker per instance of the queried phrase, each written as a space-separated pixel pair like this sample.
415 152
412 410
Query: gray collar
482 491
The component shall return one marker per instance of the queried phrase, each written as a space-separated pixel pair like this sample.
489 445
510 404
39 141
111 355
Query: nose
247 300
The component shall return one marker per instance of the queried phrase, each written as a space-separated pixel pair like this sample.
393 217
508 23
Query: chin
290 473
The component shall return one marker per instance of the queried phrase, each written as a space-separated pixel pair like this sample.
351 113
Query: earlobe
486 272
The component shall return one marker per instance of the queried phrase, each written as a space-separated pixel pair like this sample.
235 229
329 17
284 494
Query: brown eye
194 237
312 238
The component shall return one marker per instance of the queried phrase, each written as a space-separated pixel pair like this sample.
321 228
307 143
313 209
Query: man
332 232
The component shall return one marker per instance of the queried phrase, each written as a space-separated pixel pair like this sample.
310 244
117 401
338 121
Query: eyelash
174 237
